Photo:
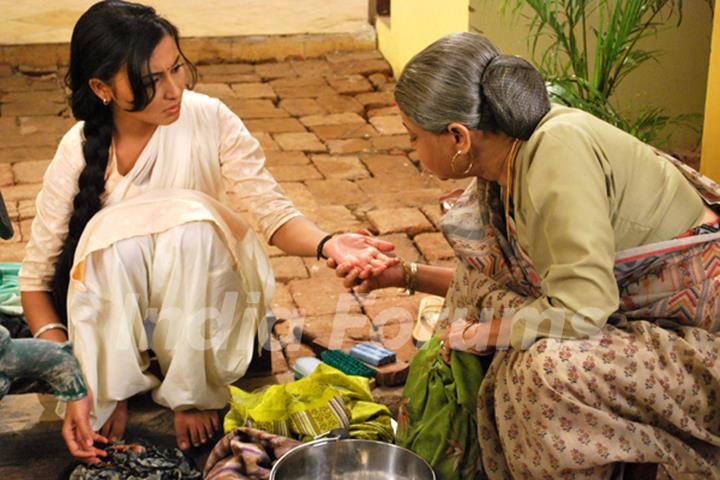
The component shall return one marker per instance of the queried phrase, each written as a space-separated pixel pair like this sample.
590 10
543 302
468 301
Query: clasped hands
364 262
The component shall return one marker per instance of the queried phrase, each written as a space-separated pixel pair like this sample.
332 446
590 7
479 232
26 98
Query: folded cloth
246 453
138 461
324 400
10 303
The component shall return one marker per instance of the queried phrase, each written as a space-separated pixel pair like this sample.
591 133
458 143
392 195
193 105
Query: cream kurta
208 144
164 265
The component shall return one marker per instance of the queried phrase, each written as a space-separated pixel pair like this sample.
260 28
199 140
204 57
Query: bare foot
114 427
195 426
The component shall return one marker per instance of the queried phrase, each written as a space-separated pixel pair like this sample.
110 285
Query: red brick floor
333 139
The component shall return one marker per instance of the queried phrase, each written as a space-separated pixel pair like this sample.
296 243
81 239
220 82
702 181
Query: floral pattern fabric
645 389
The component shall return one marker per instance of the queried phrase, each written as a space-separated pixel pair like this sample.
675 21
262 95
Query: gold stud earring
452 164
106 101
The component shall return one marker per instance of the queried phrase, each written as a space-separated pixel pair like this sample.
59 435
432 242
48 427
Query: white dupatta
184 154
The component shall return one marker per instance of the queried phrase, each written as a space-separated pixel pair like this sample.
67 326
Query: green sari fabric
324 400
437 417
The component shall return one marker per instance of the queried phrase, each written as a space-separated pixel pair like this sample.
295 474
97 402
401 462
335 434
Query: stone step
204 50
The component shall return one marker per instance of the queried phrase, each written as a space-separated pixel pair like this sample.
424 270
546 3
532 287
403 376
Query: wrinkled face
434 149
167 73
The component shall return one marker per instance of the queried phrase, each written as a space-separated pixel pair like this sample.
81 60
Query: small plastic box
372 354
304 366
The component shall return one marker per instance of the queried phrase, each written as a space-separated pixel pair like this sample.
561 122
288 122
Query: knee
195 236
132 251
538 373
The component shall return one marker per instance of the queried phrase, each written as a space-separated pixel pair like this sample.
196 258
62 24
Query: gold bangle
410 276
50 326
413 278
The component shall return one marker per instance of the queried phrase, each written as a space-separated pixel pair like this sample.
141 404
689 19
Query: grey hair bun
463 78
515 96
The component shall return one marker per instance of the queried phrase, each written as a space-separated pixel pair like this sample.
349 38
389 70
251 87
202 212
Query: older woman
586 261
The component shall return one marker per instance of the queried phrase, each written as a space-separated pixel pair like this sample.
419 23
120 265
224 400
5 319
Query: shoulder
74 137
564 135
70 148
564 155
563 123
207 108
199 102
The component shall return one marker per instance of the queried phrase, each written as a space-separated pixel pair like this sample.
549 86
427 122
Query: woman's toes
106 428
181 433
209 430
215 422
182 441
116 432
194 432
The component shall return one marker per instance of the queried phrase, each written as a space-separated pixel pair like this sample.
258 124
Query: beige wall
677 82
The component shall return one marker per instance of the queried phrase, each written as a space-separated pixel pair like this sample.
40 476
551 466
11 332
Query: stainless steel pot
350 459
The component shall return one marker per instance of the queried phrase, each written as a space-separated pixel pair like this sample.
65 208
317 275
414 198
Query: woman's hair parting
464 78
109 35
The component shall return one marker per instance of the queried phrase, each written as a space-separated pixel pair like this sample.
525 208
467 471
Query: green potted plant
586 48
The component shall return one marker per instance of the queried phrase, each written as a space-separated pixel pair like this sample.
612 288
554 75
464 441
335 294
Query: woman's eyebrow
154 74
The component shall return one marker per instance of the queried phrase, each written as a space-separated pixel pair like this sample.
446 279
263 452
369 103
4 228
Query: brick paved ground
334 141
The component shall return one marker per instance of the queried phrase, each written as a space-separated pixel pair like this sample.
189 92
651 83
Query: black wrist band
321 245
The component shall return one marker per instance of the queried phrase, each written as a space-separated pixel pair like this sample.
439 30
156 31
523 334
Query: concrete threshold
204 50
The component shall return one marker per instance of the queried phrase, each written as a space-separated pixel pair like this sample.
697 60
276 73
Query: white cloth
207 146
165 237
178 293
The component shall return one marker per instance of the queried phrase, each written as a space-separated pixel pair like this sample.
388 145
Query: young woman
132 244
586 262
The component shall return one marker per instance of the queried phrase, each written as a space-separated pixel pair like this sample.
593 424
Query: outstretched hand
390 277
365 254
78 433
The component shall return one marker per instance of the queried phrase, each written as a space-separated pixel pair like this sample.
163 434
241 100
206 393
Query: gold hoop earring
452 164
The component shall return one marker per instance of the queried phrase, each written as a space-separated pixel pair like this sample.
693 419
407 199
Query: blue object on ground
372 354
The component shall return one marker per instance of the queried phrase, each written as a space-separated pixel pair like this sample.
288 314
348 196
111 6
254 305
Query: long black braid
109 35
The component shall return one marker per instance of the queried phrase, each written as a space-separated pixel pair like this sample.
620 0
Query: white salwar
165 265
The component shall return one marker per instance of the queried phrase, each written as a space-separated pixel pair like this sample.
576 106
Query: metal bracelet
413 280
409 276
50 326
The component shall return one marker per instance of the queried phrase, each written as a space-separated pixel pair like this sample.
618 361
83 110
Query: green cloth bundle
437 417
324 400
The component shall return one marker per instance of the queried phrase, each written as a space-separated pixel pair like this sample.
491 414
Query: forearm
298 236
39 311
434 280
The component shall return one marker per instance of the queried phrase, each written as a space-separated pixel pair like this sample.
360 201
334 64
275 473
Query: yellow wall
415 24
710 159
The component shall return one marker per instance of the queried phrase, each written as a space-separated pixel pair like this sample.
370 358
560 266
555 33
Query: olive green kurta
583 191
